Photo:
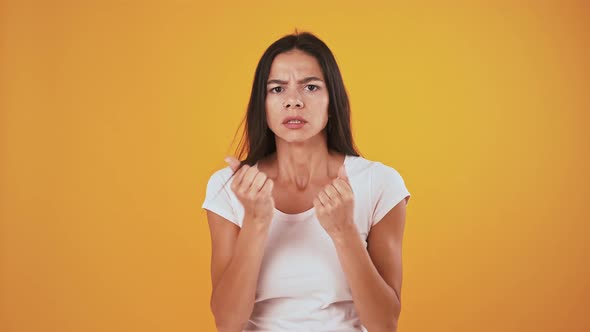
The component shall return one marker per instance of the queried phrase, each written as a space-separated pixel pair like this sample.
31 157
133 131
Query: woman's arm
235 265
375 275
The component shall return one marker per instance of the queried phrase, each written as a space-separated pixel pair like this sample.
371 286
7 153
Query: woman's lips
294 125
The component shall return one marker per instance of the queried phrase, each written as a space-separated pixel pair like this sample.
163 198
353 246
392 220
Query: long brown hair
258 141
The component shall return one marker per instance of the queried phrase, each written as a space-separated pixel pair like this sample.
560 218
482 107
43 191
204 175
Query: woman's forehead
295 63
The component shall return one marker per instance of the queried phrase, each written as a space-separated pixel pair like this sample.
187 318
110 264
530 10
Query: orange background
115 113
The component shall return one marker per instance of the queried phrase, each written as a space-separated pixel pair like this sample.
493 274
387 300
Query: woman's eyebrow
302 81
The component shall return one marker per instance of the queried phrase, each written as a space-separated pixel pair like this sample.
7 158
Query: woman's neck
300 164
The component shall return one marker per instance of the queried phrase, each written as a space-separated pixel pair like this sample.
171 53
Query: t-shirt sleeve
217 197
388 189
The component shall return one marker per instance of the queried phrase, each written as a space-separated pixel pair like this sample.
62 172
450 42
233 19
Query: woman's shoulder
220 175
374 172
360 163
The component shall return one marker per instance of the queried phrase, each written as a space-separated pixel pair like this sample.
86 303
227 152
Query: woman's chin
300 137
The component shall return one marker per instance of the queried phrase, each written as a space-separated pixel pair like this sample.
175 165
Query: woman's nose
293 101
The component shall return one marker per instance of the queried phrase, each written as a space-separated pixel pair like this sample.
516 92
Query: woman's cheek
273 118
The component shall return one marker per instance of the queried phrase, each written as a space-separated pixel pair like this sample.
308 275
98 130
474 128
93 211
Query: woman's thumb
233 162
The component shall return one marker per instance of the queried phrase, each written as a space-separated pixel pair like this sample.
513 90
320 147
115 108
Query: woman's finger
258 182
342 187
239 176
233 162
324 199
332 193
249 177
317 203
267 187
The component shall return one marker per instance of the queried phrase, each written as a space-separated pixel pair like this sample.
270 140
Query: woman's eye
275 89
313 87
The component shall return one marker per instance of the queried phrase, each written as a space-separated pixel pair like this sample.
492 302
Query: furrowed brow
310 79
303 81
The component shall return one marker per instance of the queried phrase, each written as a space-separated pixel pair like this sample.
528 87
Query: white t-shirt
301 285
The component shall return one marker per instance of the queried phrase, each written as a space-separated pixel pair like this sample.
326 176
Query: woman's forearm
232 300
376 302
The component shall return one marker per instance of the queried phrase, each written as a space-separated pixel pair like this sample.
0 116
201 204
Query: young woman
306 234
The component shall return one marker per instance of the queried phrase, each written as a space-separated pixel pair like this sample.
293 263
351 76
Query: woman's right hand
254 190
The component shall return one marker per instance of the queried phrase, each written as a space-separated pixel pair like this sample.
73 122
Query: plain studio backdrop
113 114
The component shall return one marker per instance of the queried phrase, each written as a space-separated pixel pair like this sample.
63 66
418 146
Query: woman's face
296 88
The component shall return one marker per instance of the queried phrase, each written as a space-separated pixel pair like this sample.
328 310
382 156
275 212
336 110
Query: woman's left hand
334 205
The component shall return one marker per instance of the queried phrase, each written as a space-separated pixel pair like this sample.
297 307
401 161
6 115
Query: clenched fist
254 190
334 205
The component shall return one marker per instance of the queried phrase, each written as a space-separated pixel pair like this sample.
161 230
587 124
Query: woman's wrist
257 223
343 234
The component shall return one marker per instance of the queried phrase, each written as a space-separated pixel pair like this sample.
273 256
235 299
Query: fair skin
303 173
